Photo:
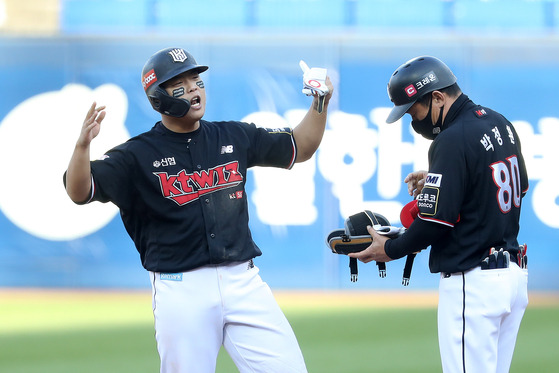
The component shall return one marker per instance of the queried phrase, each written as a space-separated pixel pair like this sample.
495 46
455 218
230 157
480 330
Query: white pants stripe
219 305
479 315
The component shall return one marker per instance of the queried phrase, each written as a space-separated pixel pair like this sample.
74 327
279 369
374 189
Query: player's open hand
375 251
91 124
415 181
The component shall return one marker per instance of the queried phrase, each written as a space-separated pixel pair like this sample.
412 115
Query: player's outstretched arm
415 181
308 134
78 175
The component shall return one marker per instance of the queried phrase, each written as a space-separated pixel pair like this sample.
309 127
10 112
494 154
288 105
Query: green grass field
56 331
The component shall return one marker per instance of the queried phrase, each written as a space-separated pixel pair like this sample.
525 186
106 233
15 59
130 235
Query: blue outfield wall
48 84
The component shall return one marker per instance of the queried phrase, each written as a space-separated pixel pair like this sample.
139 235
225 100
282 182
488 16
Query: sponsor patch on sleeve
433 180
427 200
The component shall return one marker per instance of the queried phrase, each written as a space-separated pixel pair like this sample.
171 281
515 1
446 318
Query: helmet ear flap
171 106
155 102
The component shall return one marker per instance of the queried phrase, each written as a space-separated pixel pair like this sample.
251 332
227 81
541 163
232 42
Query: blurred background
57 56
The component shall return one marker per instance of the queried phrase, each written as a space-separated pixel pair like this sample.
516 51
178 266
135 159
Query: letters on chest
186 187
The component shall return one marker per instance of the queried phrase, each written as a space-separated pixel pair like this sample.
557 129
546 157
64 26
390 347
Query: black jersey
182 195
476 180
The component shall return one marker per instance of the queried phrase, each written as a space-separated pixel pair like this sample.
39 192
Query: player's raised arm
78 175
308 134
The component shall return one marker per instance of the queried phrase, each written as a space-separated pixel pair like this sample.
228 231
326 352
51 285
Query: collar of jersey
456 108
161 129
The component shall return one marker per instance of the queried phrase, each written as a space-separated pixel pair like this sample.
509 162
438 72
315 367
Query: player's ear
438 98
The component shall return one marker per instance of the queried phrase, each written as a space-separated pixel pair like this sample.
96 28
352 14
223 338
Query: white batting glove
314 80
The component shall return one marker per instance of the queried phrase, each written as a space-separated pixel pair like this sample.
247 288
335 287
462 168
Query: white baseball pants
198 311
479 316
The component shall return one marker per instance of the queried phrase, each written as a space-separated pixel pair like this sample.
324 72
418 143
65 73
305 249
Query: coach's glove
314 82
355 237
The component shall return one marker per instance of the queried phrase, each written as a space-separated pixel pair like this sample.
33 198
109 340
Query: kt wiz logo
184 188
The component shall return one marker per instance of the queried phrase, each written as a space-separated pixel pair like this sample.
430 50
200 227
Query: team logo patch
480 113
427 201
148 79
433 180
170 276
178 55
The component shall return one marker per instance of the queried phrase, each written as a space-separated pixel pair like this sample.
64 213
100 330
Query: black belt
499 258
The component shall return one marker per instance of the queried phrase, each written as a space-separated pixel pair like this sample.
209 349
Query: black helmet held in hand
161 67
413 80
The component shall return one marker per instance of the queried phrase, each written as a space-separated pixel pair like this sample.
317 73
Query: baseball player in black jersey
180 188
469 208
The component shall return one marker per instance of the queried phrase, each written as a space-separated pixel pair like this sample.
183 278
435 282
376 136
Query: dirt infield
312 299
382 299
299 299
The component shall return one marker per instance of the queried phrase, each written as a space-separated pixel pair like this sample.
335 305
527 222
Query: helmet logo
410 90
148 79
178 55
428 78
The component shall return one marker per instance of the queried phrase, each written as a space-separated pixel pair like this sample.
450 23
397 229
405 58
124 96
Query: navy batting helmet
161 67
414 79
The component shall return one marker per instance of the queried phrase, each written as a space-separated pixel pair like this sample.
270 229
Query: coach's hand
415 181
375 251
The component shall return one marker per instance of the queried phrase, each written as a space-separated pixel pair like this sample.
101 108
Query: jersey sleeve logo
184 188
433 180
279 130
427 201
